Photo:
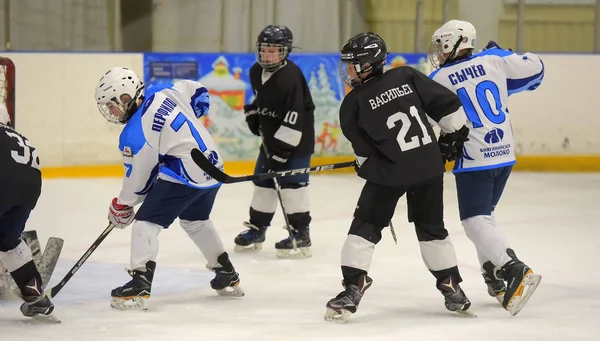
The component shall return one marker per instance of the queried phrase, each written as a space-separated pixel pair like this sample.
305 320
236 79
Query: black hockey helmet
362 57
273 46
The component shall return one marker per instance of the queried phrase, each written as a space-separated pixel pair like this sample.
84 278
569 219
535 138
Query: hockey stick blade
220 176
55 289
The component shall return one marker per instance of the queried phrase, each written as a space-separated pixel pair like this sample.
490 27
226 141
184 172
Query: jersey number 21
401 138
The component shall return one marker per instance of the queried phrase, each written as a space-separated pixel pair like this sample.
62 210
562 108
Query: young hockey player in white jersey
483 82
162 127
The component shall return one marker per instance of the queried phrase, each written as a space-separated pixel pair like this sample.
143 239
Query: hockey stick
278 190
55 289
218 175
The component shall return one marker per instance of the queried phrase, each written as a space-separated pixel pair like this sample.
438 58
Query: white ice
550 219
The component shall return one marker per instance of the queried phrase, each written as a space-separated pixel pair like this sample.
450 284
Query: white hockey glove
120 215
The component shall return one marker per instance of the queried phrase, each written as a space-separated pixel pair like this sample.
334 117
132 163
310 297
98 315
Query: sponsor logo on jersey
494 136
127 151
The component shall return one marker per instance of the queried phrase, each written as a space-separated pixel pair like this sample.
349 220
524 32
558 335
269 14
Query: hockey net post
7 87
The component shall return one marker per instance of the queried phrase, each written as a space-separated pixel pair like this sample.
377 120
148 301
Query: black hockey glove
451 145
492 44
251 112
277 160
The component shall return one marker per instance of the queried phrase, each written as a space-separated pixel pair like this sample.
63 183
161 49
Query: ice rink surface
550 219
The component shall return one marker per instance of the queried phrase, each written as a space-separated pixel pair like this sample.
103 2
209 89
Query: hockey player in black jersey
20 190
282 112
385 117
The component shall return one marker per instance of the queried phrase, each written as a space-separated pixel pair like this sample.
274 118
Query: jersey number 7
401 138
179 121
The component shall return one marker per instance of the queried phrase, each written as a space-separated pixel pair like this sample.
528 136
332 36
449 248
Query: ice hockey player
162 127
21 188
283 112
483 82
385 117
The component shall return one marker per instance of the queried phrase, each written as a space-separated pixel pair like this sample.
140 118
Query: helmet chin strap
453 52
133 106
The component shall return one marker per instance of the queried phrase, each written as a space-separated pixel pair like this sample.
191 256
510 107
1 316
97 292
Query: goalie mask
273 46
449 40
362 58
117 94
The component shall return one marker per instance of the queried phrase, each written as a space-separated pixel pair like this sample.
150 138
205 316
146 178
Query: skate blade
248 249
50 318
234 291
526 289
467 313
500 298
301 253
333 316
134 303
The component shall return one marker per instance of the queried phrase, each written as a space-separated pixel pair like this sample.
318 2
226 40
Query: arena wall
556 126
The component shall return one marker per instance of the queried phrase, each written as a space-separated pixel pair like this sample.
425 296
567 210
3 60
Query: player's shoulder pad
494 52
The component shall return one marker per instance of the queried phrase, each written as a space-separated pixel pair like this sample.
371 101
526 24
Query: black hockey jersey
285 109
19 170
386 120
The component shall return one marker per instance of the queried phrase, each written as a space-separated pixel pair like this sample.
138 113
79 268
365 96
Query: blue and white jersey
159 137
483 83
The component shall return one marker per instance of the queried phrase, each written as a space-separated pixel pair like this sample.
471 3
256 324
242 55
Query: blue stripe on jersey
434 73
494 52
473 169
132 135
175 169
530 83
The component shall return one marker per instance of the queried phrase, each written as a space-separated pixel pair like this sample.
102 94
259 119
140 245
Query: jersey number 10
401 138
481 91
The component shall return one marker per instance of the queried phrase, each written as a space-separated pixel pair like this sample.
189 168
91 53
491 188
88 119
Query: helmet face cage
116 109
350 73
119 110
271 56
436 54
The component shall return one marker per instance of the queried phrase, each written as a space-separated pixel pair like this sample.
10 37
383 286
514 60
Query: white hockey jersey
159 137
483 83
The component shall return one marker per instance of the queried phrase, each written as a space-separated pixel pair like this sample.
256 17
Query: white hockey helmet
117 93
448 40
4 117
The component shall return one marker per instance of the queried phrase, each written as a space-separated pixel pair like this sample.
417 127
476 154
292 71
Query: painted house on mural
221 82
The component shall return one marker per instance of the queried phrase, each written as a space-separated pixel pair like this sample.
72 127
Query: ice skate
227 280
285 248
522 283
37 305
494 281
455 298
341 307
250 240
135 293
